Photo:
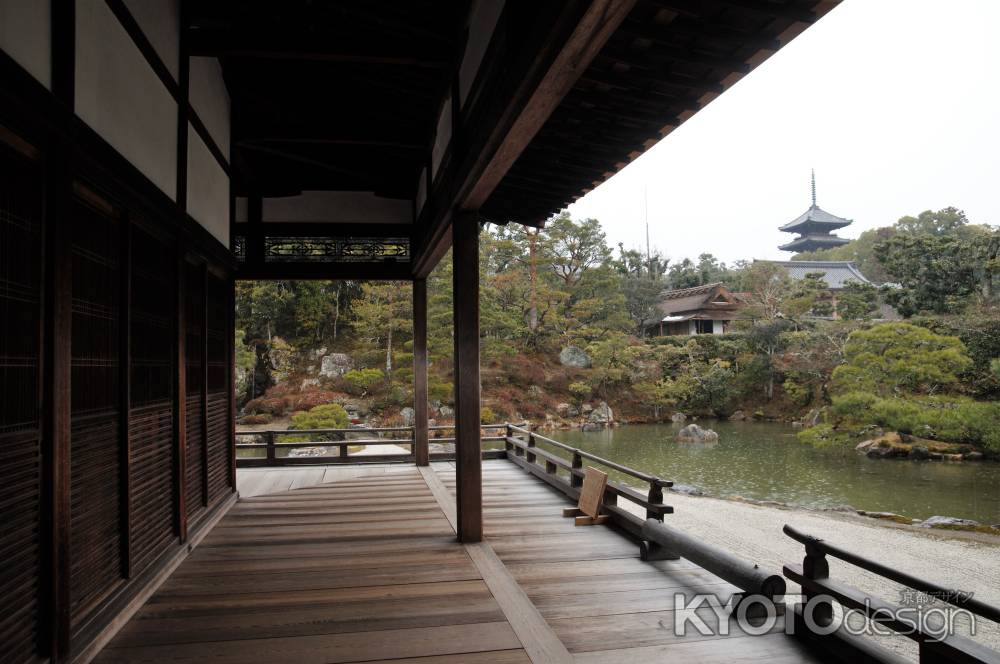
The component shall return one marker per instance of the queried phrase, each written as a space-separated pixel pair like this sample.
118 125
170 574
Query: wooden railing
929 631
276 451
533 452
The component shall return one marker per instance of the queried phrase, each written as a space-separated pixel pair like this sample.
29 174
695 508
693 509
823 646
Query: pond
765 461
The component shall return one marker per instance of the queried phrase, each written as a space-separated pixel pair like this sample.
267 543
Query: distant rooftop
835 273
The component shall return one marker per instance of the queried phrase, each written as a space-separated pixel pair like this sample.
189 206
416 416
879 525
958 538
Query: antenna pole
645 201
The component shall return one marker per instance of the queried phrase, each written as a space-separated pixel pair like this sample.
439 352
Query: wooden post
270 448
57 361
125 393
180 398
575 480
815 566
57 355
655 497
508 446
204 384
531 443
421 451
468 457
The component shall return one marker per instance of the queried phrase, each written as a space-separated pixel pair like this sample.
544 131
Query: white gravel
955 560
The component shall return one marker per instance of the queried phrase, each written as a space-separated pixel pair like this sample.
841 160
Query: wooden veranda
368 569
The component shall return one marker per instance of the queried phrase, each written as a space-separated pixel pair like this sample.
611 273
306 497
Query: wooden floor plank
361 564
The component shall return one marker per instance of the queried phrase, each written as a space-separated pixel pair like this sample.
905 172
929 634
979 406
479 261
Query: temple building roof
815 228
836 274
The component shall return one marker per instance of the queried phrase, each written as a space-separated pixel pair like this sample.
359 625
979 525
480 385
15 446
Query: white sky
895 103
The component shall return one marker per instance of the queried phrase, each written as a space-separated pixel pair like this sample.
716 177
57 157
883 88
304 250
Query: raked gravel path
955 560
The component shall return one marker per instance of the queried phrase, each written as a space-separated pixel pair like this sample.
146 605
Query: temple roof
815 219
836 274
814 241
698 302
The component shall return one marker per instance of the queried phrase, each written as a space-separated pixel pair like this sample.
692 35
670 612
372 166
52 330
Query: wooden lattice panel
96 452
20 449
151 434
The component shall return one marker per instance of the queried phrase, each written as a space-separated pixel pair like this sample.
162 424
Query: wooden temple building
706 309
814 228
153 153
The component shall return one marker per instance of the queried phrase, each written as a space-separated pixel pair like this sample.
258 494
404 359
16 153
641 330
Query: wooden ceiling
331 95
667 60
345 95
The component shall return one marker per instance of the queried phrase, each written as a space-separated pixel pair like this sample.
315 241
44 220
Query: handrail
272 443
930 631
638 474
524 452
949 595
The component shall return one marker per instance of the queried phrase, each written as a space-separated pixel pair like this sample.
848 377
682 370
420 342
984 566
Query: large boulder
335 365
678 418
693 433
738 416
281 355
574 356
408 415
602 414
446 411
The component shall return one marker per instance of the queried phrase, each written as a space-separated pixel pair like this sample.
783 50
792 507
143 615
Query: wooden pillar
468 466
125 392
421 451
57 365
231 377
204 384
180 398
57 353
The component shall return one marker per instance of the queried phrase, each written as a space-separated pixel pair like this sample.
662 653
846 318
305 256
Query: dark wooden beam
385 271
63 23
597 25
468 464
420 431
507 117
300 46
321 229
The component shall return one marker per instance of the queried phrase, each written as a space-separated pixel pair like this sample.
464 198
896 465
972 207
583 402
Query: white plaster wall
208 189
338 207
160 21
482 22
26 36
718 327
120 97
210 99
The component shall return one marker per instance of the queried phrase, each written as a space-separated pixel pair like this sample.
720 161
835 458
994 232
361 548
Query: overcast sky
895 103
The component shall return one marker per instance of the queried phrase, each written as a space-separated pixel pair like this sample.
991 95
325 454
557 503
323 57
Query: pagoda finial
814 186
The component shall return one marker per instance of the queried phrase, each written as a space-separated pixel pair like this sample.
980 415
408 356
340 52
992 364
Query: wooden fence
931 631
335 445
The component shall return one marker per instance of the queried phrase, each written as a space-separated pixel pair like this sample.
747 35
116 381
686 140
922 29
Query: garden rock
335 365
693 433
574 356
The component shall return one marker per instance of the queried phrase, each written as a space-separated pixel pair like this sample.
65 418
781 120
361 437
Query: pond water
765 461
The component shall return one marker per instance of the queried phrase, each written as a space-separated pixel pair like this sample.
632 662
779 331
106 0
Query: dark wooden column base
420 444
469 490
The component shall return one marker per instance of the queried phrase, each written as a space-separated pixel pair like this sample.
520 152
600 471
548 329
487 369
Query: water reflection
765 461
